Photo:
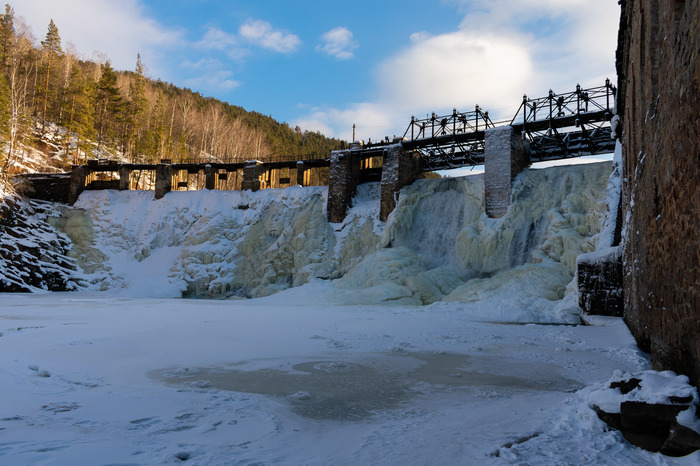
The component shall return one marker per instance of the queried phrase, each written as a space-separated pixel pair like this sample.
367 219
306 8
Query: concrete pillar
124 178
164 180
400 169
209 177
505 156
344 178
251 175
300 173
77 183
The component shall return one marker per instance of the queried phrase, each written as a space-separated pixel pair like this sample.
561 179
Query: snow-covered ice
91 379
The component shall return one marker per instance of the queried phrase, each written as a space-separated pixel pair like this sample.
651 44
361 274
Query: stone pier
209 177
300 173
77 183
124 178
164 180
344 178
505 156
251 175
400 169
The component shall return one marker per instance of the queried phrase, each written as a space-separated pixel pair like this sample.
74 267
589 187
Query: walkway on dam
552 127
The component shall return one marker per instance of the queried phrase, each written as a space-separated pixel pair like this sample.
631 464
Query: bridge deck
557 126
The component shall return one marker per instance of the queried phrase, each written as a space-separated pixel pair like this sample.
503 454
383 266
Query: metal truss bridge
556 126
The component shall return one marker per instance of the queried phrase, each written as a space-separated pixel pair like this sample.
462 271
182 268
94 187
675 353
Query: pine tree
108 103
16 65
156 138
79 112
137 112
7 32
51 46
7 37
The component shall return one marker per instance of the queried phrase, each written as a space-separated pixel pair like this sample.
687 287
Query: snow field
88 379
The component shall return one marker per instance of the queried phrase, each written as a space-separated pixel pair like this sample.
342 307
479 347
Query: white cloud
203 63
570 41
459 69
210 75
338 43
213 81
502 49
373 120
216 39
261 33
119 30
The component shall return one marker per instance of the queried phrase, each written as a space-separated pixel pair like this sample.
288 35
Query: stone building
658 85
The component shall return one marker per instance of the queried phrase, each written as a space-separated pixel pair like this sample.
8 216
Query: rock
681 441
648 442
611 419
626 386
643 418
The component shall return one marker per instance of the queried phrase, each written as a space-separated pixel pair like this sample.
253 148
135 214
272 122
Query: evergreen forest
87 110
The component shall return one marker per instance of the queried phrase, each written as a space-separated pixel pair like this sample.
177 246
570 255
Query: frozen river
93 379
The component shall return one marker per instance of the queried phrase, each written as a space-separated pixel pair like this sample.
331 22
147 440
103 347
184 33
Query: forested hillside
75 109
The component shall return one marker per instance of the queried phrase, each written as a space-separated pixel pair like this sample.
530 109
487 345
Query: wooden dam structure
552 127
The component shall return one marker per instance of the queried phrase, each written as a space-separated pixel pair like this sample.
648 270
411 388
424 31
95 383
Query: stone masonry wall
659 80
400 169
344 178
505 157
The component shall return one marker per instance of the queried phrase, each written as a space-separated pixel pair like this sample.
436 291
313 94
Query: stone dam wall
659 80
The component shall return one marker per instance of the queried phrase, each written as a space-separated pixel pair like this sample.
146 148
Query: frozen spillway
215 243
438 244
444 247
555 213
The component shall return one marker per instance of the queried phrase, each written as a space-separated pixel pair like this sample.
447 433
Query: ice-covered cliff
438 245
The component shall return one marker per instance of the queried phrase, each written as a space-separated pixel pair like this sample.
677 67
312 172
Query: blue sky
326 64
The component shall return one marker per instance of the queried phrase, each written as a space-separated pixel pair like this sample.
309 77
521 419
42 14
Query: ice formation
437 244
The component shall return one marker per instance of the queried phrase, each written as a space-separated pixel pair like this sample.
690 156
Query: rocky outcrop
659 80
32 253
655 425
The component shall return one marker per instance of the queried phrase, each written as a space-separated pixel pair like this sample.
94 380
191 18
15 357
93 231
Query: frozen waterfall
438 245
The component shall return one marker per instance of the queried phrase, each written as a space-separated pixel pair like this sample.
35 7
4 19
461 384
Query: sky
326 65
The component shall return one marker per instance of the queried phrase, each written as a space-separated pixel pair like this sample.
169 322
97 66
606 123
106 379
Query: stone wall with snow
658 65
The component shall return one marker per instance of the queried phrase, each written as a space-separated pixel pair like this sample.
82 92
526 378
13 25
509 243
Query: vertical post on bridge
344 178
209 177
124 178
505 157
78 176
300 173
164 180
400 168
251 175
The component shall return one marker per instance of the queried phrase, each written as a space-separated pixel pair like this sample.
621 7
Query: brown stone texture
344 178
251 175
164 180
400 169
505 157
77 183
659 77
600 283
124 179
